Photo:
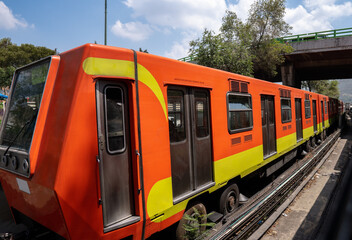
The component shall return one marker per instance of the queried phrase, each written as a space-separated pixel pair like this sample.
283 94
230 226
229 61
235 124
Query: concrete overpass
317 56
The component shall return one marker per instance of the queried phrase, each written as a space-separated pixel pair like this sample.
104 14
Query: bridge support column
289 77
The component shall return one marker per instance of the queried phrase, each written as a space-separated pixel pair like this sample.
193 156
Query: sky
163 27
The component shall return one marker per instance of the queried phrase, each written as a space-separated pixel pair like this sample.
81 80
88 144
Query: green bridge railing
187 59
344 32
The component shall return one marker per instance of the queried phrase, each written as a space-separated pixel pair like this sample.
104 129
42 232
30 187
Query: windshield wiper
19 132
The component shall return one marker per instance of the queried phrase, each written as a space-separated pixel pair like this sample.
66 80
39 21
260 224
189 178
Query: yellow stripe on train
124 68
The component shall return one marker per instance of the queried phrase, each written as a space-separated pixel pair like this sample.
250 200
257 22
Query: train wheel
312 142
307 146
195 217
322 135
229 199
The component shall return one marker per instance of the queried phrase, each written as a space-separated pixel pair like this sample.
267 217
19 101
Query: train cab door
299 129
115 168
322 114
268 125
190 140
315 116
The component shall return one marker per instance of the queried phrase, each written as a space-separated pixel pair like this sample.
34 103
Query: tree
247 48
326 87
266 24
13 56
228 50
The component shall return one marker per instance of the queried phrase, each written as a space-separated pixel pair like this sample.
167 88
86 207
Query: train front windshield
24 105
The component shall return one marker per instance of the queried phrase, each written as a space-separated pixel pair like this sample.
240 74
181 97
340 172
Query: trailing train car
102 142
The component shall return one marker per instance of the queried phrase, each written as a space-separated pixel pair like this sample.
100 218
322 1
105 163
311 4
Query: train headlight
25 165
14 162
4 160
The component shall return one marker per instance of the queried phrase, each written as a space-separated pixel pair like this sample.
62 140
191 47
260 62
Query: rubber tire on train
229 199
180 231
313 143
307 146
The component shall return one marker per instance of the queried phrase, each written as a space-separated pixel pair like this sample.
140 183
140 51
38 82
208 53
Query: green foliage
267 24
141 50
228 50
326 87
194 224
247 48
13 56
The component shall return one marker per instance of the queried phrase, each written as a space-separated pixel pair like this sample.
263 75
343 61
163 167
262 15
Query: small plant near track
194 225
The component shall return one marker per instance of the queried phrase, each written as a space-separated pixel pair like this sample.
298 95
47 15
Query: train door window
115 166
114 119
191 154
299 129
201 114
268 125
314 105
240 116
176 116
322 114
307 110
286 110
326 107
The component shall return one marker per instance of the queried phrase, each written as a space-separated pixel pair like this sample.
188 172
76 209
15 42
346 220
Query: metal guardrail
343 32
187 59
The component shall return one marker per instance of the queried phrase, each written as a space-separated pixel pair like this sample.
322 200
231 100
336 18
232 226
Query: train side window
286 110
114 109
176 110
307 108
240 116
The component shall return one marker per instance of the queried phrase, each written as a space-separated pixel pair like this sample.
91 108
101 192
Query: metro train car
102 142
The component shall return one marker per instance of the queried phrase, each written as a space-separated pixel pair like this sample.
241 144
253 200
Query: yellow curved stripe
160 201
148 79
124 68
160 197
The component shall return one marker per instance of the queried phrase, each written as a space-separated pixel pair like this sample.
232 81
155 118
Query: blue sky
163 27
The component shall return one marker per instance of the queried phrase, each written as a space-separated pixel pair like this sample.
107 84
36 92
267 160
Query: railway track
250 220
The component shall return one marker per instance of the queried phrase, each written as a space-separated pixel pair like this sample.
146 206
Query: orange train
102 142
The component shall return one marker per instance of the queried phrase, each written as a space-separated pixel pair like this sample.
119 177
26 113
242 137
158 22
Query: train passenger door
299 129
315 115
268 125
322 114
190 140
115 168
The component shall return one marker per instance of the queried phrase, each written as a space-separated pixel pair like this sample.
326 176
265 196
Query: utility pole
105 20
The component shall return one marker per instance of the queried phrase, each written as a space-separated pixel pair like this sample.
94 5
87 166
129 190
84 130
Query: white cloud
191 17
316 15
135 31
8 20
303 21
180 14
335 11
317 3
180 49
241 8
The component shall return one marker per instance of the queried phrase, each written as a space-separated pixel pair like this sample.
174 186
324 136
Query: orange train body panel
64 189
